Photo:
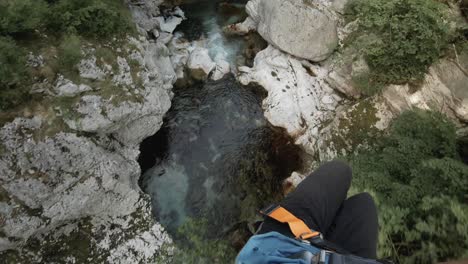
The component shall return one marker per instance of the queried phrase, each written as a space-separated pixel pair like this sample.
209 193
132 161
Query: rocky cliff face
68 167
317 102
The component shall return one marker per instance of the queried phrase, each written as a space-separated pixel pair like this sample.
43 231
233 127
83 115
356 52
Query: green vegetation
197 247
55 29
96 18
70 52
399 39
421 188
356 128
13 73
21 16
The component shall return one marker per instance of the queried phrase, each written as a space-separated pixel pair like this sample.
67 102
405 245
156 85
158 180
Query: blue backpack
308 246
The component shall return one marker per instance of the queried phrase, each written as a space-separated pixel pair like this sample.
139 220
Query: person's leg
355 228
317 199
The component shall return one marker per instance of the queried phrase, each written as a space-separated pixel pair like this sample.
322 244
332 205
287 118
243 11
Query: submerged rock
296 27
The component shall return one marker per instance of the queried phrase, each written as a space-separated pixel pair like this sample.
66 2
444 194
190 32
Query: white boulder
222 68
200 63
295 27
66 88
298 100
169 23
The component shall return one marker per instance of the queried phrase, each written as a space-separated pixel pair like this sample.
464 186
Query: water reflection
218 154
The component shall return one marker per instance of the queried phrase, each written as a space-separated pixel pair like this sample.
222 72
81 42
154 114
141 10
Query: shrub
420 187
400 39
97 18
69 53
198 245
21 16
13 73
464 7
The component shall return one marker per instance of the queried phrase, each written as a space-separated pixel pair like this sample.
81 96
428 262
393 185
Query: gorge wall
68 165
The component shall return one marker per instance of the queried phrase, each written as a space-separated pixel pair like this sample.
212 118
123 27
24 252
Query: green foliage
97 18
70 53
464 7
400 39
52 28
21 16
198 247
368 83
13 73
421 189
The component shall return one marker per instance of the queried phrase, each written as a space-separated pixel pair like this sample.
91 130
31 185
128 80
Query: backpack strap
329 252
300 229
297 226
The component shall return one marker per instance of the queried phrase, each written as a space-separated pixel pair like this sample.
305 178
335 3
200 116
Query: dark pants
320 201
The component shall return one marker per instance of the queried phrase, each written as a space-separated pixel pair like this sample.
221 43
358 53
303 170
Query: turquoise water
216 157
206 20
214 148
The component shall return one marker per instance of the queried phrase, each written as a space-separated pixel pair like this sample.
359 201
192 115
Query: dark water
216 160
215 154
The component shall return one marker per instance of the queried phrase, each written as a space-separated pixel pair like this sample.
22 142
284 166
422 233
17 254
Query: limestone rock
295 27
67 88
221 69
297 100
169 22
339 5
290 183
344 67
58 182
132 113
249 25
157 62
179 49
69 174
144 14
35 61
124 77
89 69
444 89
165 38
200 63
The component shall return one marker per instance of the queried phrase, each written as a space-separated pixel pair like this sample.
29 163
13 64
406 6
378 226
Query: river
216 157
